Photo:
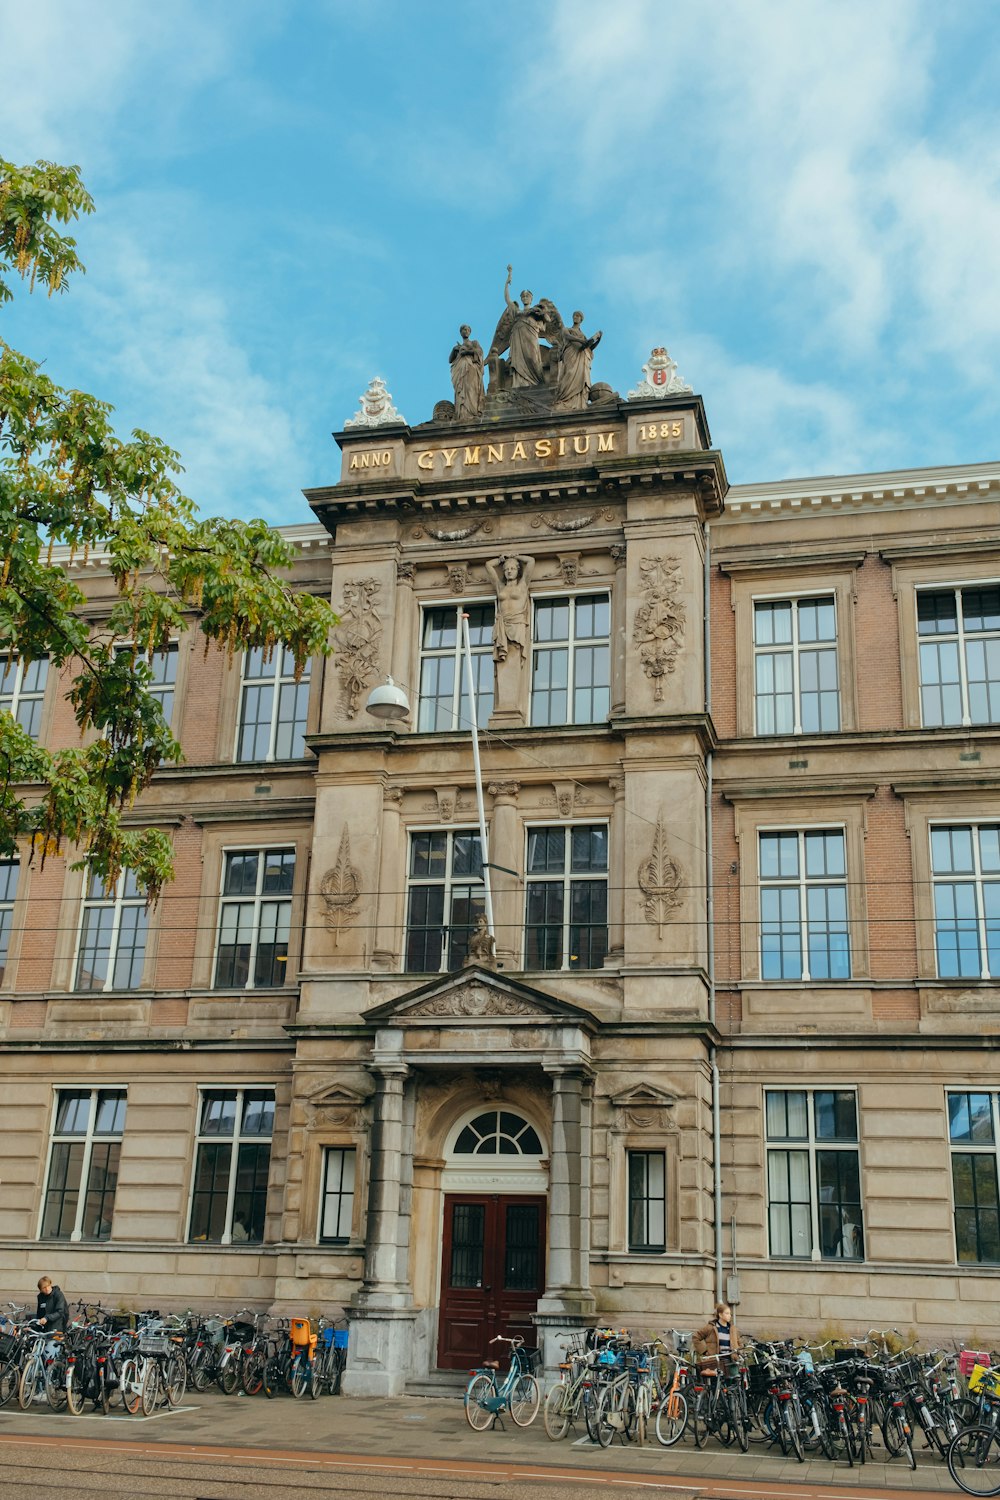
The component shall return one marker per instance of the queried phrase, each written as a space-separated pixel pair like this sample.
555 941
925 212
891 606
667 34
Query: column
391 879
385 1189
616 875
505 849
568 1290
619 630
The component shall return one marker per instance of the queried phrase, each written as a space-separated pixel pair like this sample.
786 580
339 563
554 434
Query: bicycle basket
155 1343
531 1359
299 1331
340 1337
122 1322
607 1357
244 1332
983 1378
7 1345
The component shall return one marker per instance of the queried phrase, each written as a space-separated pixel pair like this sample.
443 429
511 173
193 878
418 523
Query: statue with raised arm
466 360
510 577
573 364
520 329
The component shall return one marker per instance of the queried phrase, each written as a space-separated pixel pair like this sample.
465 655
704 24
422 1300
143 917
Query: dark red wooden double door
492 1273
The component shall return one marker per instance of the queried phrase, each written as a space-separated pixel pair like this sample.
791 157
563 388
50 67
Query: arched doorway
493 1250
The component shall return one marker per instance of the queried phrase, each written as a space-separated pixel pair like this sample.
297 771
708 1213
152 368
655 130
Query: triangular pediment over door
475 995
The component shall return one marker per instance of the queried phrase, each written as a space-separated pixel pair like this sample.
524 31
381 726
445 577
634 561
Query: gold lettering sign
521 450
372 458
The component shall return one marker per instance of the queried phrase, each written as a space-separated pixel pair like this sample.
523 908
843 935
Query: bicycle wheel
791 1429
739 1425
316 1377
861 1436
253 1373
591 1401
298 1378
974 1460
174 1379
228 1378
272 1376
200 1368
55 1382
699 1420
479 1390
152 1381
103 1397
10 1376
555 1417
74 1391
640 1426
609 1416
525 1400
671 1418
27 1384
130 1385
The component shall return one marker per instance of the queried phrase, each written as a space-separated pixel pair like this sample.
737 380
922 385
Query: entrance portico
466 1039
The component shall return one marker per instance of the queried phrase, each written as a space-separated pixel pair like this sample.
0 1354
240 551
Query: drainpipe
710 931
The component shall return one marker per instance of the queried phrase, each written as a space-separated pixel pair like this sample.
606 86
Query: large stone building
742 791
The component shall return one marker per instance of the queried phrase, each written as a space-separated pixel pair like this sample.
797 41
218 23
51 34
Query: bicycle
565 1400
673 1411
487 1397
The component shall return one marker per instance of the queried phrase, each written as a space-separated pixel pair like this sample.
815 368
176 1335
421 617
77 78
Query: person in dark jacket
51 1313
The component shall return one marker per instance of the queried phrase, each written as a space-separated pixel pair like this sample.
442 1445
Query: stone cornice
890 490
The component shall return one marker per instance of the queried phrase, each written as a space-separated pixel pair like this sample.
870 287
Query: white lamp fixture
388 702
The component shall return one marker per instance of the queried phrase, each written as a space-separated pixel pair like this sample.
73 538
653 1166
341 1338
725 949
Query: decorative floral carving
393 795
340 888
376 408
358 639
406 572
659 880
566 523
659 621
471 1000
619 553
504 788
460 534
458 575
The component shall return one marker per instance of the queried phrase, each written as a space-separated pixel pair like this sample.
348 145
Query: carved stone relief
659 879
472 1000
569 567
658 628
504 788
573 523
457 534
458 577
526 1038
565 797
358 639
406 572
340 888
644 1107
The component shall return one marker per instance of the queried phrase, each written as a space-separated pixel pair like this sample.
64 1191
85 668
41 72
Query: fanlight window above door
498 1132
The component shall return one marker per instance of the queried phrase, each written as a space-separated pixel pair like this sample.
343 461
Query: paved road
221 1447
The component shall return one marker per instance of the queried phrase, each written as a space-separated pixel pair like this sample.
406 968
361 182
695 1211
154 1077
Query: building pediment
339 1096
644 1095
475 995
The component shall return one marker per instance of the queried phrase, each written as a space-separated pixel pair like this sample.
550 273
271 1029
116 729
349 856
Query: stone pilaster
386 955
505 850
619 630
616 875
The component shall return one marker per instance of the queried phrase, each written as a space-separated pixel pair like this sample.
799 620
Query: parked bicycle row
853 1404
142 1361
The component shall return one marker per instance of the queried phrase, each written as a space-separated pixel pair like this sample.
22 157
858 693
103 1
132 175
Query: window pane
110 1118
211 1191
218 1114
72 1113
63 1190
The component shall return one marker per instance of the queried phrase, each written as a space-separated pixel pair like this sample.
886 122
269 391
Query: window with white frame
274 703
9 871
959 650
82 1173
647 1202
566 897
255 917
571 660
804 929
162 669
796 683
974 1133
112 946
232 1162
444 698
444 898
22 690
337 1211
814 1174
965 870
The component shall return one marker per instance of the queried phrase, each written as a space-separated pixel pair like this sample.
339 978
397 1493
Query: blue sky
800 198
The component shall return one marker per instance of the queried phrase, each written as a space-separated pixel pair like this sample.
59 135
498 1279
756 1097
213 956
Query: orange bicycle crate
300 1332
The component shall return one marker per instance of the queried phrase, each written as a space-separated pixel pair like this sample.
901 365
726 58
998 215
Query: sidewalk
418 1427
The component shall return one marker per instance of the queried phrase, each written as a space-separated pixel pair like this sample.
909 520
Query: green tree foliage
68 482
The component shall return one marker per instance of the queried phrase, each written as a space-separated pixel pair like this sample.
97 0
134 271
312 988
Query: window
803 906
959 644
255 918
83 1164
162 666
566 902
965 866
498 1132
273 707
571 660
814 1174
112 947
795 666
444 701
233 1157
973 1122
444 899
337 1212
9 870
647 1234
22 690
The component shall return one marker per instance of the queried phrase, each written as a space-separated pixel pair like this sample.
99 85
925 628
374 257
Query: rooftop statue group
547 366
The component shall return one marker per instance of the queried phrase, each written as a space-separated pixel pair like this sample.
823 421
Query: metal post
487 891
